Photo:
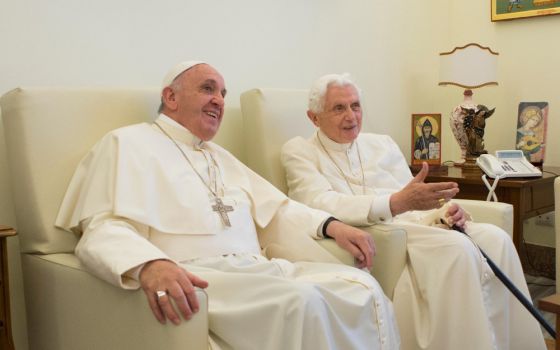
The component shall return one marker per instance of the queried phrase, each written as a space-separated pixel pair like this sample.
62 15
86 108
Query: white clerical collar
333 145
178 132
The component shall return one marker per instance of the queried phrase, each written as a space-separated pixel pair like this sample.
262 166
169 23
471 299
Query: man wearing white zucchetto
160 207
447 296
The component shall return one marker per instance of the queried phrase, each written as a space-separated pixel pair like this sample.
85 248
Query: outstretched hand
418 195
355 241
177 283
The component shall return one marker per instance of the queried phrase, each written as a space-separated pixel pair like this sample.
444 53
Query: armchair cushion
72 309
497 213
272 117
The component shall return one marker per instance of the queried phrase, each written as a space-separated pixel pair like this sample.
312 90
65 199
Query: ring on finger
160 293
441 202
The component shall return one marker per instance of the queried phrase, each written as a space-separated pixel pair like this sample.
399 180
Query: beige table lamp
471 67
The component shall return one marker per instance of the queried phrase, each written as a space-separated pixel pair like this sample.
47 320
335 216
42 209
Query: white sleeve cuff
132 276
320 230
380 210
134 273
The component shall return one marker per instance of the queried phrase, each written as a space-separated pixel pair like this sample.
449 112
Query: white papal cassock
136 199
447 297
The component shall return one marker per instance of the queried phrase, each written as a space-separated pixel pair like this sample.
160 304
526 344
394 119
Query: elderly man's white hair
318 90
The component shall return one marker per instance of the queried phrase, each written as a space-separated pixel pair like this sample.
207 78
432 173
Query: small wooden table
530 197
6 341
551 303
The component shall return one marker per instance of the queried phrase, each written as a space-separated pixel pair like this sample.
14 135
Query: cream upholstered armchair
273 116
47 132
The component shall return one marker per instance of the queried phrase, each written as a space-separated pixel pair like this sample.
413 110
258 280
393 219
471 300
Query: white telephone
507 164
504 164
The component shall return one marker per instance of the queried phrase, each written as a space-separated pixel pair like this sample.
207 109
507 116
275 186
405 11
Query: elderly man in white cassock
161 207
447 296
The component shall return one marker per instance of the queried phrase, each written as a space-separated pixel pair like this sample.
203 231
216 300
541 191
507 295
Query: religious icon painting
513 9
531 130
426 139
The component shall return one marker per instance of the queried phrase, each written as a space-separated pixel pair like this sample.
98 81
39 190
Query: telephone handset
490 165
505 164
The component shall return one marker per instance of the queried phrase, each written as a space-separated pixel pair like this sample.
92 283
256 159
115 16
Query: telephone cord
491 188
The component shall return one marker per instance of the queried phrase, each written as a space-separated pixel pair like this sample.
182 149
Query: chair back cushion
48 131
272 117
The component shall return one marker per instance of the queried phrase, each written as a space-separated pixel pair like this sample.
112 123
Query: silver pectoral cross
222 209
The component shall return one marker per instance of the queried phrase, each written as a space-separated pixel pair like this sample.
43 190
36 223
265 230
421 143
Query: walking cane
513 289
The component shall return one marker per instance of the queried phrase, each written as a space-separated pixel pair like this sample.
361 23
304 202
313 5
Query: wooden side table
530 197
6 341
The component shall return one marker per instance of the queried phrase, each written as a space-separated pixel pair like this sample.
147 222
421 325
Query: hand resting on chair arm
357 242
120 248
448 216
165 275
455 215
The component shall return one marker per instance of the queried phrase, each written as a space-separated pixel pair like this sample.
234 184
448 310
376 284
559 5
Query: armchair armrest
390 259
390 242
68 308
497 213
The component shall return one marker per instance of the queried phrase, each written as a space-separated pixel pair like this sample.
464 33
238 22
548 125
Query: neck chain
219 207
340 170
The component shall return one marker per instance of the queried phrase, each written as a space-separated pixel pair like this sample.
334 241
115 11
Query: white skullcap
177 70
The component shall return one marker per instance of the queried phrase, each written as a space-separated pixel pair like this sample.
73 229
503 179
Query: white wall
391 48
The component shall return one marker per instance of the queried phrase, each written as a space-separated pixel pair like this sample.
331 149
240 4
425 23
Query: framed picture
512 9
532 123
426 139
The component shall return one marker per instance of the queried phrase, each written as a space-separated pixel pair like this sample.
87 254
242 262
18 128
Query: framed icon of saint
426 139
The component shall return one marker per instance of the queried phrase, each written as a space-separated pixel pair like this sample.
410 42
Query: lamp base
470 164
457 121
458 163
467 122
